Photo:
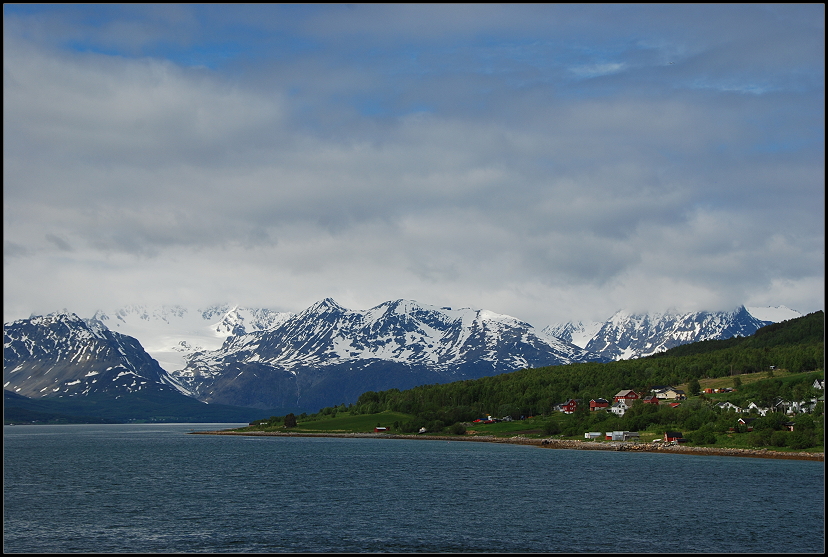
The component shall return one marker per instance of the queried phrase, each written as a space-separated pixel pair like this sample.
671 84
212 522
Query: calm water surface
152 488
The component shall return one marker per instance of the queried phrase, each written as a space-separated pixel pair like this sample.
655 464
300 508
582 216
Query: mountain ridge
325 355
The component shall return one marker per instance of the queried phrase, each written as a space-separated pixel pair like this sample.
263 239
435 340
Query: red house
650 400
670 436
627 395
379 429
569 406
597 403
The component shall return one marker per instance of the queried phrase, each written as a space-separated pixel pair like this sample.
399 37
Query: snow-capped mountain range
625 335
393 344
324 355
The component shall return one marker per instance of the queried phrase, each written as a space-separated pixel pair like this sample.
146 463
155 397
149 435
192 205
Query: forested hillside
795 345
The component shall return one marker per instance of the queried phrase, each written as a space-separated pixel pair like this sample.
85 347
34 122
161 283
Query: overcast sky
548 162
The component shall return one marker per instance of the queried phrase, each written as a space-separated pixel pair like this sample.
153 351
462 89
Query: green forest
780 361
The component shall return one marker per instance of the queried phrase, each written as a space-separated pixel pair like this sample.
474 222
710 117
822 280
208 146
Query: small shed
592 435
671 436
380 429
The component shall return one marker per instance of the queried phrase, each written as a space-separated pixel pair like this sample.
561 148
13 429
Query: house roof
625 392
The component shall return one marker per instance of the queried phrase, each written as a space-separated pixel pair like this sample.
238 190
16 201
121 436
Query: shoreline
572 444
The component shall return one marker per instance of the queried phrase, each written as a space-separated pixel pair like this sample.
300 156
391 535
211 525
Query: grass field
345 423
745 378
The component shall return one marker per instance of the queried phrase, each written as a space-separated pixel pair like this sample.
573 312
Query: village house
620 408
597 403
761 411
567 407
650 400
628 395
748 422
794 407
819 384
728 406
621 435
670 393
672 436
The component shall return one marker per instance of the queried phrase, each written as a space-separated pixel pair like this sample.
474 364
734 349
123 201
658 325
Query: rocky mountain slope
62 355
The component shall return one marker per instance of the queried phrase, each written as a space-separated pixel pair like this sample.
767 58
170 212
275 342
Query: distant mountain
171 333
328 354
234 357
65 356
79 366
627 335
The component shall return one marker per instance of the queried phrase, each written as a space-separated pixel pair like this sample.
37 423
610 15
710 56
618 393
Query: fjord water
153 488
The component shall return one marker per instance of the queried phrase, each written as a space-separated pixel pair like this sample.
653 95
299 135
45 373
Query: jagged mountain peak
633 335
63 355
405 338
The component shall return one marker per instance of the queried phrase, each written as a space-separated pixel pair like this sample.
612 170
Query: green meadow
342 422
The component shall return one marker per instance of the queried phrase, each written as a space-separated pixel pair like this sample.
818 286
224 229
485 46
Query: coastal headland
548 443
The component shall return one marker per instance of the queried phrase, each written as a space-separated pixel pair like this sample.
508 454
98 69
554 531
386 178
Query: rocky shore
549 443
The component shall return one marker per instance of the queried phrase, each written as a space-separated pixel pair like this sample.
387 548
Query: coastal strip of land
547 443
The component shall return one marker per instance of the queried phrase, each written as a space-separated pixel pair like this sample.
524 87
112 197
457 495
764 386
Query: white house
619 408
762 411
729 406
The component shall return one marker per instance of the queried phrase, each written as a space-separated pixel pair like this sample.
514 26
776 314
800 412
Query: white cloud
412 163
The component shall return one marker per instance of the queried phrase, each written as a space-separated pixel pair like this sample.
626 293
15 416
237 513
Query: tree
290 420
552 427
694 387
737 382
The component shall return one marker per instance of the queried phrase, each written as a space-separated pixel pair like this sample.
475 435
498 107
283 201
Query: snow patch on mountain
578 333
171 333
775 314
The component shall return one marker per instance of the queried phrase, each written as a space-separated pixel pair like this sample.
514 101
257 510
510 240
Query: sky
549 162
